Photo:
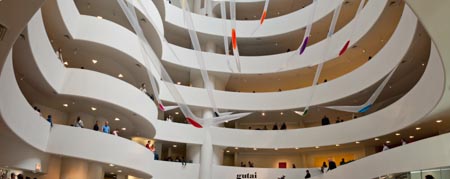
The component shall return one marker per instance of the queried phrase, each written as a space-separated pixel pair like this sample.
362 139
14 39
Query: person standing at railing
308 175
385 147
331 164
429 177
79 122
106 128
49 119
96 128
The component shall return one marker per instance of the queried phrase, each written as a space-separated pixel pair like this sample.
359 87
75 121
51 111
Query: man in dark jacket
331 165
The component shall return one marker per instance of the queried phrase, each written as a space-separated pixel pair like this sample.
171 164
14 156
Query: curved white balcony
366 75
379 67
84 83
392 118
213 26
291 60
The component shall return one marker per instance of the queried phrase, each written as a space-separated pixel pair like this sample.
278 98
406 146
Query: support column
74 168
207 154
95 171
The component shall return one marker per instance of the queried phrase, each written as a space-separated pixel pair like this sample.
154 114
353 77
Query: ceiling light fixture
397 134
423 64
93 108
281 113
296 148
124 129
176 113
236 148
99 17
438 121
66 105
111 165
120 171
263 114
174 146
255 149
377 139
94 61
228 151
66 63
388 142
120 75
357 142
317 147
337 145
117 119
276 148
411 136
178 83
418 128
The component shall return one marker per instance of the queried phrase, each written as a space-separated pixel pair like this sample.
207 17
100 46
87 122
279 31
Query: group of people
326 120
250 164
386 147
19 176
79 123
275 127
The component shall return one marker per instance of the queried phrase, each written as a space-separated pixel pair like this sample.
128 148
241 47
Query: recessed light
66 105
438 121
254 149
228 151
112 173
120 171
236 148
94 61
423 64
111 165
296 148
226 121
276 148
263 114
364 50
174 146
178 83
388 142
124 129
397 134
120 75
281 113
117 119
176 113
66 63
418 128
317 147
377 139
99 17
337 145
411 136
357 142
93 108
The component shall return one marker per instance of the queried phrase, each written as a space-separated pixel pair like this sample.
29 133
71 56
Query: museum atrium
224 89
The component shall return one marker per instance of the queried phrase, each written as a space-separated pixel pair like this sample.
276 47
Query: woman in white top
79 122
385 147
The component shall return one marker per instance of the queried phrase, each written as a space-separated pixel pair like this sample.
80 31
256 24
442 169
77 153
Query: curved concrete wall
86 84
381 65
213 26
397 116
368 74
275 63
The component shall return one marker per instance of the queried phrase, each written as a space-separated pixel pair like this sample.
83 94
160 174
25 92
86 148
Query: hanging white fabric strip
305 40
369 103
353 28
324 56
233 34
223 13
198 52
152 60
